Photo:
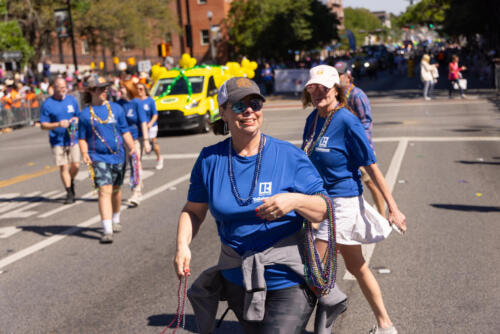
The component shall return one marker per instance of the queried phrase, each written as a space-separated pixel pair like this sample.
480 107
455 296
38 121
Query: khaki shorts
64 155
365 177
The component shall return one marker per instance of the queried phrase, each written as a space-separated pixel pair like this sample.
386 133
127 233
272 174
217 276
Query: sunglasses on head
239 107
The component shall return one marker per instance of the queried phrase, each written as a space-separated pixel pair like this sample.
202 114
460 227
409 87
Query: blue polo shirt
57 110
105 141
340 152
284 169
135 116
148 105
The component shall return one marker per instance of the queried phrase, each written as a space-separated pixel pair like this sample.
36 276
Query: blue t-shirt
284 169
110 151
148 105
135 116
338 155
56 110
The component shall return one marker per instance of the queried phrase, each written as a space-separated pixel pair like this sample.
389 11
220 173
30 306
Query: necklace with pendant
310 143
234 187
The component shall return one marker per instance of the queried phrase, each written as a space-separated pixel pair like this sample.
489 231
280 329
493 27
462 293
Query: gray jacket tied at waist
205 292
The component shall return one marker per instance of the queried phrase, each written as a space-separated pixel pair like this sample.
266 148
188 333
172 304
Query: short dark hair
218 125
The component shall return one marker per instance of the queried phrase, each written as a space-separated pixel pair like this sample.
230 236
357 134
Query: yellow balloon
192 62
254 65
245 63
251 74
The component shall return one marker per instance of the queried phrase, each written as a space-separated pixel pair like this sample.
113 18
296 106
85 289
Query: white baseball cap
324 75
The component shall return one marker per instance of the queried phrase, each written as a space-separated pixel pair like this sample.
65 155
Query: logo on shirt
130 113
71 109
323 142
146 107
265 188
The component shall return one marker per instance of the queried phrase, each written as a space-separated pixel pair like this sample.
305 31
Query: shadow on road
33 199
471 208
472 162
162 320
51 230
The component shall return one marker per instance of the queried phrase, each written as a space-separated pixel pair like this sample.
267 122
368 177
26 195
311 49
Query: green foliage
425 12
11 39
123 23
361 22
272 28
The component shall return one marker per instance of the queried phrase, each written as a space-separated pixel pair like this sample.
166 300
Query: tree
274 28
113 23
361 22
11 39
123 23
425 13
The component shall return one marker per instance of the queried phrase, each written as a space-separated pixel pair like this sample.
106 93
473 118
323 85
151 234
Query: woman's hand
276 206
147 146
398 218
181 261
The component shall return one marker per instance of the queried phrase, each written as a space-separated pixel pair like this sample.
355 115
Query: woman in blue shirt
137 121
257 188
148 105
336 143
102 132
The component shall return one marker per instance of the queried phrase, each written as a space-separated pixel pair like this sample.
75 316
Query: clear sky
392 6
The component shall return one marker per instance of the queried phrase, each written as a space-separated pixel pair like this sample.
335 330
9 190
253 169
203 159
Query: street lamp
211 40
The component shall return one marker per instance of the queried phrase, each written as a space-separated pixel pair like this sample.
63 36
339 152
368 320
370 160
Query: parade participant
427 73
137 122
336 143
258 188
147 104
453 76
59 115
359 103
102 131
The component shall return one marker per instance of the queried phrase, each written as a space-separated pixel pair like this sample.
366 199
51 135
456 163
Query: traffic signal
163 50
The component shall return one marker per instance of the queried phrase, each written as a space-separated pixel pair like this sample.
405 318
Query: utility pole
71 35
189 32
181 40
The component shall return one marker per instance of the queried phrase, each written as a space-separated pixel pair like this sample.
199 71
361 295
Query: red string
179 314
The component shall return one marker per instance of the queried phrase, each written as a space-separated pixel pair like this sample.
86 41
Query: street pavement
441 158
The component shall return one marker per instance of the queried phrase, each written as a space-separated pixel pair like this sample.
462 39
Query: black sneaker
72 187
70 198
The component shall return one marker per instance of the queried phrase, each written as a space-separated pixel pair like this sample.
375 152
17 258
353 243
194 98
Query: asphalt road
442 158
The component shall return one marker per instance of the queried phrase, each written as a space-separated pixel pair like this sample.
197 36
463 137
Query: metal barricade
27 113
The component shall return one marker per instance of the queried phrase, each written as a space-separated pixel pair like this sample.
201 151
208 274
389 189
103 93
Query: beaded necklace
349 91
234 187
71 129
310 143
93 117
134 171
318 274
180 316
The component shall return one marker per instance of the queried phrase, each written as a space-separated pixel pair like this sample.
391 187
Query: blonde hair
426 58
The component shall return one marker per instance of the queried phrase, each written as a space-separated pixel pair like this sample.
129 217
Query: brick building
205 17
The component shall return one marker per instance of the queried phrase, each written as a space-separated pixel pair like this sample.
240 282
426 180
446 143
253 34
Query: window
85 47
212 89
202 2
205 37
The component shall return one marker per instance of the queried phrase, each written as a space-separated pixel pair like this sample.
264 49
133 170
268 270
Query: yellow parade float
186 96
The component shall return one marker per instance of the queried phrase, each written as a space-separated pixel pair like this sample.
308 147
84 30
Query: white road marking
173 156
22 211
390 177
9 206
91 194
8 231
96 219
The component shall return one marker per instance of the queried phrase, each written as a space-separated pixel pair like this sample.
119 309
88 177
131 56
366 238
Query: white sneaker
377 330
159 164
427 98
135 200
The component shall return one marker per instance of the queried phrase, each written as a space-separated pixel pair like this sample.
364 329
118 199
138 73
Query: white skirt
356 222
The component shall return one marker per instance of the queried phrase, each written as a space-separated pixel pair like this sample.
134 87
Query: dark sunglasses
240 107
